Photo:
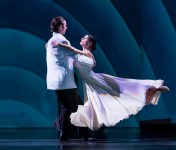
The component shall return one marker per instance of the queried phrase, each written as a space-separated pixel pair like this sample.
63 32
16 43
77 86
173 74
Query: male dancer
60 78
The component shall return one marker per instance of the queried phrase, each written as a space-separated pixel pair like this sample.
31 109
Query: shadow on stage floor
150 136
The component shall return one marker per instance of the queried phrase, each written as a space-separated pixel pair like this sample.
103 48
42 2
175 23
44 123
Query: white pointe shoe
158 91
155 99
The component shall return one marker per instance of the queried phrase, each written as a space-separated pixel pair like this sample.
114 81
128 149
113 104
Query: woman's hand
55 43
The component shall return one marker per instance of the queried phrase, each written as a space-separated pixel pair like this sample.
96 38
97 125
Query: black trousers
68 101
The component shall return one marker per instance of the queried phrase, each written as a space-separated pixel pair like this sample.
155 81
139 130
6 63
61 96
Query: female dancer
108 99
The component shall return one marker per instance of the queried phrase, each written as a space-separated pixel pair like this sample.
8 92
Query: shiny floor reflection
46 139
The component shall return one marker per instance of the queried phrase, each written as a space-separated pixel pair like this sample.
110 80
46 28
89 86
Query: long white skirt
109 99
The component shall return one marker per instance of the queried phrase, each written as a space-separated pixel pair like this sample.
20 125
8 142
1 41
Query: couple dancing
107 99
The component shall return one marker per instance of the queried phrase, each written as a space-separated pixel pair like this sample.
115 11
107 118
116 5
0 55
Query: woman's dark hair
55 23
93 40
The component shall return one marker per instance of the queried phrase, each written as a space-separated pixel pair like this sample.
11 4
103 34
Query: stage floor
116 139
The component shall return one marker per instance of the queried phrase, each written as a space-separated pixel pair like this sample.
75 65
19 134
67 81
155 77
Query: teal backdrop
135 39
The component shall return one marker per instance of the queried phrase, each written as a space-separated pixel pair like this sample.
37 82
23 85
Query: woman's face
85 42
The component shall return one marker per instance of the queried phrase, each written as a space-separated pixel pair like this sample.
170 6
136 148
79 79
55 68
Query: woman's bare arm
73 49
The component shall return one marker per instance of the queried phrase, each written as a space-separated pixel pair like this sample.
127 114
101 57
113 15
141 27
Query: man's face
63 28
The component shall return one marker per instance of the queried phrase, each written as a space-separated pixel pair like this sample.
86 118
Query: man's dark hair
55 23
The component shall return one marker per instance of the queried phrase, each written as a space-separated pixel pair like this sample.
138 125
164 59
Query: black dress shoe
56 125
63 137
89 138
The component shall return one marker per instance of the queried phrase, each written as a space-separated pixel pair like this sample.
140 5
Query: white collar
55 33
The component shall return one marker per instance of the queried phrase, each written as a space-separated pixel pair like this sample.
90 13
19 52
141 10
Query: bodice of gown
84 65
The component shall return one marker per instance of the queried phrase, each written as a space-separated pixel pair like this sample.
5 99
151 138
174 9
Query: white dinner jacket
60 73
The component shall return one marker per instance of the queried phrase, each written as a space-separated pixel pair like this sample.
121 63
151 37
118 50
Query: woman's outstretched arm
73 49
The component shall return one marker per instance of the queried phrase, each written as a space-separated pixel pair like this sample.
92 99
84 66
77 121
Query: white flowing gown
109 99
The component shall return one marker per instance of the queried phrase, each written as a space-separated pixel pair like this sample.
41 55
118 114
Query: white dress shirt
60 73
